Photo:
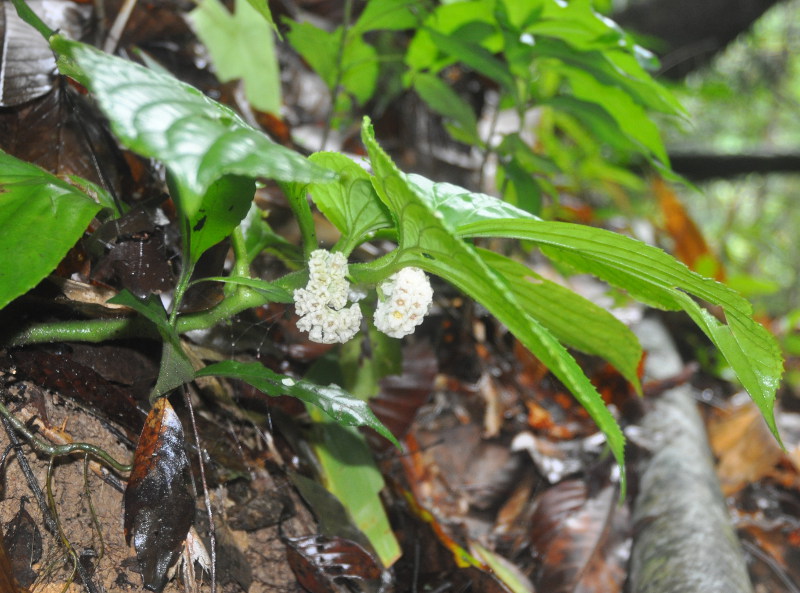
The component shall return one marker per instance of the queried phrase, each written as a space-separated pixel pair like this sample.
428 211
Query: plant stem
100 330
337 83
61 450
26 14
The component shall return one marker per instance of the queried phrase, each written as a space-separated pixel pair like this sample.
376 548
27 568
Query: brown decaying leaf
316 560
71 379
159 504
24 546
745 447
7 582
689 244
575 536
27 64
402 395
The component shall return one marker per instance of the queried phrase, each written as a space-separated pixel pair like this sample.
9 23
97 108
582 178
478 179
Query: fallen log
684 541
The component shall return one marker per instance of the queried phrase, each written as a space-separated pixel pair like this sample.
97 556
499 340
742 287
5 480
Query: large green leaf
459 206
349 472
425 241
572 319
332 399
353 65
350 203
652 275
41 218
198 139
241 46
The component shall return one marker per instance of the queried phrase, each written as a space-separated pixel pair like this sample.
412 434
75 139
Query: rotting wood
684 541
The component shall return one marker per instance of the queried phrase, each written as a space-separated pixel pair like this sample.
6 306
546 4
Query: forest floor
503 481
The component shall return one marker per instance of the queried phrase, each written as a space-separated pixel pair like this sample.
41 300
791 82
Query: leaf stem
337 83
100 330
26 14
60 450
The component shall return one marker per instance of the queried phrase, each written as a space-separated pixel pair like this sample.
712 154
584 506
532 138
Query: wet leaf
656 278
198 139
331 399
159 504
426 241
316 560
43 213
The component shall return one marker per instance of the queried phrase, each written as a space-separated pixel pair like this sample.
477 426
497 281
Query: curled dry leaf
316 560
159 504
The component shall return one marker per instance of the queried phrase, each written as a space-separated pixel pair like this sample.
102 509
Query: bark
691 32
685 542
700 167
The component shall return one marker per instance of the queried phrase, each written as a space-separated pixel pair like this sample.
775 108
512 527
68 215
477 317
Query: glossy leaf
241 46
27 66
572 319
350 203
425 241
459 206
159 504
331 399
157 116
656 278
42 212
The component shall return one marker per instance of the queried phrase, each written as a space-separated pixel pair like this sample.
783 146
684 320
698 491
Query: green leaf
350 203
390 15
425 241
356 71
570 317
41 218
273 292
350 473
476 57
333 400
630 117
458 206
241 46
446 102
159 117
221 210
659 279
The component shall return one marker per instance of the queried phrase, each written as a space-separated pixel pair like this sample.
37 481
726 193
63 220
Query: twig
115 33
212 534
49 521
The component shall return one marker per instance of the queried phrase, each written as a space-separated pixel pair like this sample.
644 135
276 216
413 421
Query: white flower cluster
321 304
406 298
